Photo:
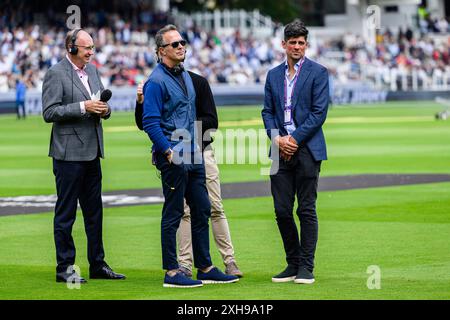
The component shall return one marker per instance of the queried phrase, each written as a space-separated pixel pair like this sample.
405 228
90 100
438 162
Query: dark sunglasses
175 44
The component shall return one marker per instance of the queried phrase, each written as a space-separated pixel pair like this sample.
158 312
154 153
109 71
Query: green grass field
405 231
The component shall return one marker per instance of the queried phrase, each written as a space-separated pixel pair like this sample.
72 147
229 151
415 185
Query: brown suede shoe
233 270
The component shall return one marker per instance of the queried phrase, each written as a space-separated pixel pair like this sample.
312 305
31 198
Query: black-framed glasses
175 44
89 48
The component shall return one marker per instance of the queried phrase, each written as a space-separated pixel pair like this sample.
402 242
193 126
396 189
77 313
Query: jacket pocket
68 132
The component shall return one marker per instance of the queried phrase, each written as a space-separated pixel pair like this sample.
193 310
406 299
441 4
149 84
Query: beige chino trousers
219 222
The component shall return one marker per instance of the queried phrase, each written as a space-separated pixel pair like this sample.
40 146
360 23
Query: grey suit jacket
74 137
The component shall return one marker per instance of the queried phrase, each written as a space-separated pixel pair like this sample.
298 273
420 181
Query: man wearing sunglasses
169 120
295 106
76 147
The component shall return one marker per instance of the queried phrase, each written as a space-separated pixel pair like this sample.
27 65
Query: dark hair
159 37
295 29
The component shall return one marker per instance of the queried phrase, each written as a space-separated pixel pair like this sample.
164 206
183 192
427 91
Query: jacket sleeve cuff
82 108
297 137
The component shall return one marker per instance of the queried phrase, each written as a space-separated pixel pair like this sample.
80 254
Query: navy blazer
309 101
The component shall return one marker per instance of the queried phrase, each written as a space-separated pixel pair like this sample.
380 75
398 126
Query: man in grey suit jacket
76 145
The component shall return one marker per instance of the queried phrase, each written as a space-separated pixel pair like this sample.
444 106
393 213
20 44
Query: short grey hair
69 35
159 38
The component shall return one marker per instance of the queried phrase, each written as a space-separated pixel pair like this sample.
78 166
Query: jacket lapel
92 79
76 80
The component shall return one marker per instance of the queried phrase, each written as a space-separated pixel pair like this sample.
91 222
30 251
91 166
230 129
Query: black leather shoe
69 277
106 272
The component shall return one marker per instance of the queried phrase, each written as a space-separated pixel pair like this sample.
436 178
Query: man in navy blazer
295 108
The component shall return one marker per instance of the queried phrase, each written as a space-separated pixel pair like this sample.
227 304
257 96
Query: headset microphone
73 49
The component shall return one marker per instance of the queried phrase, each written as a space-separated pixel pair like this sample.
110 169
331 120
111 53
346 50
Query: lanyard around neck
295 82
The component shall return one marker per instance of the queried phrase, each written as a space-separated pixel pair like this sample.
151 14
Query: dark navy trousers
78 181
179 182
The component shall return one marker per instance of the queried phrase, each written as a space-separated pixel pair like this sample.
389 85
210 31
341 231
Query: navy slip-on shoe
214 276
286 275
179 280
304 276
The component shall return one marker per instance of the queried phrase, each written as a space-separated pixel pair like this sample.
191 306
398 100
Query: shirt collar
296 66
75 67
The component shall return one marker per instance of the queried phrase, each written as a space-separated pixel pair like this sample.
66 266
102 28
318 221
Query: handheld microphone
106 95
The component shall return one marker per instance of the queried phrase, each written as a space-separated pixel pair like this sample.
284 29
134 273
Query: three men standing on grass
295 105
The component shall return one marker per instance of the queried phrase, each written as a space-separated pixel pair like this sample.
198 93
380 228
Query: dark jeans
180 182
78 181
297 177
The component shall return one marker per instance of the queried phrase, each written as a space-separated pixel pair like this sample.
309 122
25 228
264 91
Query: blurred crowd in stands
428 23
125 52
349 58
